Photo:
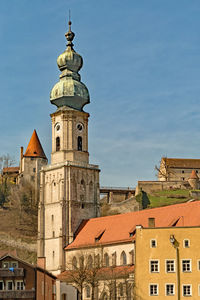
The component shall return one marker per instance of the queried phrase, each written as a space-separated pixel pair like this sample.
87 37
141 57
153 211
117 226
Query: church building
69 187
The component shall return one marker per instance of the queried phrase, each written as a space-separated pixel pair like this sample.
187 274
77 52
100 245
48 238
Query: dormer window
99 235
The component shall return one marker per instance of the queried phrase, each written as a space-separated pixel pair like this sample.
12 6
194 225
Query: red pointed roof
193 175
34 148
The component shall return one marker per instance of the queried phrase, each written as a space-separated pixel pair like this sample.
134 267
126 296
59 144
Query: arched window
74 263
90 261
123 260
97 260
106 260
87 291
81 262
79 143
57 143
91 191
121 290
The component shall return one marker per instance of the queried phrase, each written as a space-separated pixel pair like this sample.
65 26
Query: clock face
80 126
57 127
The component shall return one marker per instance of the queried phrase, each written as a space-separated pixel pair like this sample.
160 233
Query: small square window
34 170
186 265
1 285
197 171
153 289
170 289
153 243
154 266
19 285
183 172
186 243
9 285
170 266
187 290
183 178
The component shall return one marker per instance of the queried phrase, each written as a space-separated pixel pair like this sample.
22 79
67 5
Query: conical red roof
193 175
34 148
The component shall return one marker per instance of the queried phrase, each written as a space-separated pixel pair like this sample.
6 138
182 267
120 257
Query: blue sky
141 66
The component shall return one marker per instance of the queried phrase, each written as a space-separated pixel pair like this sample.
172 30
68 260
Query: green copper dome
70 91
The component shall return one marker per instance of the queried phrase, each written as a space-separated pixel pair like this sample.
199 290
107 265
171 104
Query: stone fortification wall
152 186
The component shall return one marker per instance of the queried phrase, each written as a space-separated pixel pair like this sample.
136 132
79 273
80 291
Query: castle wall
152 186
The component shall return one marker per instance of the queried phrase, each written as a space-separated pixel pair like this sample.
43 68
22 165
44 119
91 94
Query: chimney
21 156
151 222
41 262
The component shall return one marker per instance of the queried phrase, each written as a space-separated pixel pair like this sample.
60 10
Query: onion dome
70 91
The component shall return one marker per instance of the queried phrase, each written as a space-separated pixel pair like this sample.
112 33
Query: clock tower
69 186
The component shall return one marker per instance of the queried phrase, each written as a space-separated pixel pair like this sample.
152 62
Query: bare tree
164 170
5 162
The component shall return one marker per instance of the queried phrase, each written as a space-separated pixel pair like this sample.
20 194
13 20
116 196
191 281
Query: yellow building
167 263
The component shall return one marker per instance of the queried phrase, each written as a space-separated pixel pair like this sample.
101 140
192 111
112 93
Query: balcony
26 294
8 273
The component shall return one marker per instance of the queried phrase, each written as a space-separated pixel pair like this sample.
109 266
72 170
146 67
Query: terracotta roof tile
117 228
189 163
193 175
34 148
102 273
11 170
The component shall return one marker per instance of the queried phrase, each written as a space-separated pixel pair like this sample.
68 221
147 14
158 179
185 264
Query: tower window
79 143
57 143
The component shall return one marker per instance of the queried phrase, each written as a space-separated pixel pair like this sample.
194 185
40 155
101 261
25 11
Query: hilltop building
177 169
31 162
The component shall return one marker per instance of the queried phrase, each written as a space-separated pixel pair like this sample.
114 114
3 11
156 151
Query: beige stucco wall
162 252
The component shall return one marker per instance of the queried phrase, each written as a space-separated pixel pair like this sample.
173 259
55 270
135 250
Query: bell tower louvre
69 186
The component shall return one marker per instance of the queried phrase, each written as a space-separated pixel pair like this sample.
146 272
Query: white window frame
184 243
166 260
150 284
151 243
190 290
151 260
166 289
190 265
7 281
21 281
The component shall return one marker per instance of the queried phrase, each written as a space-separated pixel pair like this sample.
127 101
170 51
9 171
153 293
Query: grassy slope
163 198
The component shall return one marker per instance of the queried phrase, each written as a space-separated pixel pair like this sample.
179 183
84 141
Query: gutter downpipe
178 273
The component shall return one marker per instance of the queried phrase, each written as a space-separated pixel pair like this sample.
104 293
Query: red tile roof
117 228
11 170
34 148
193 175
102 273
184 163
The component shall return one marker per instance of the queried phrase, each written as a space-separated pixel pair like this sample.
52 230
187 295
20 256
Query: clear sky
141 66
